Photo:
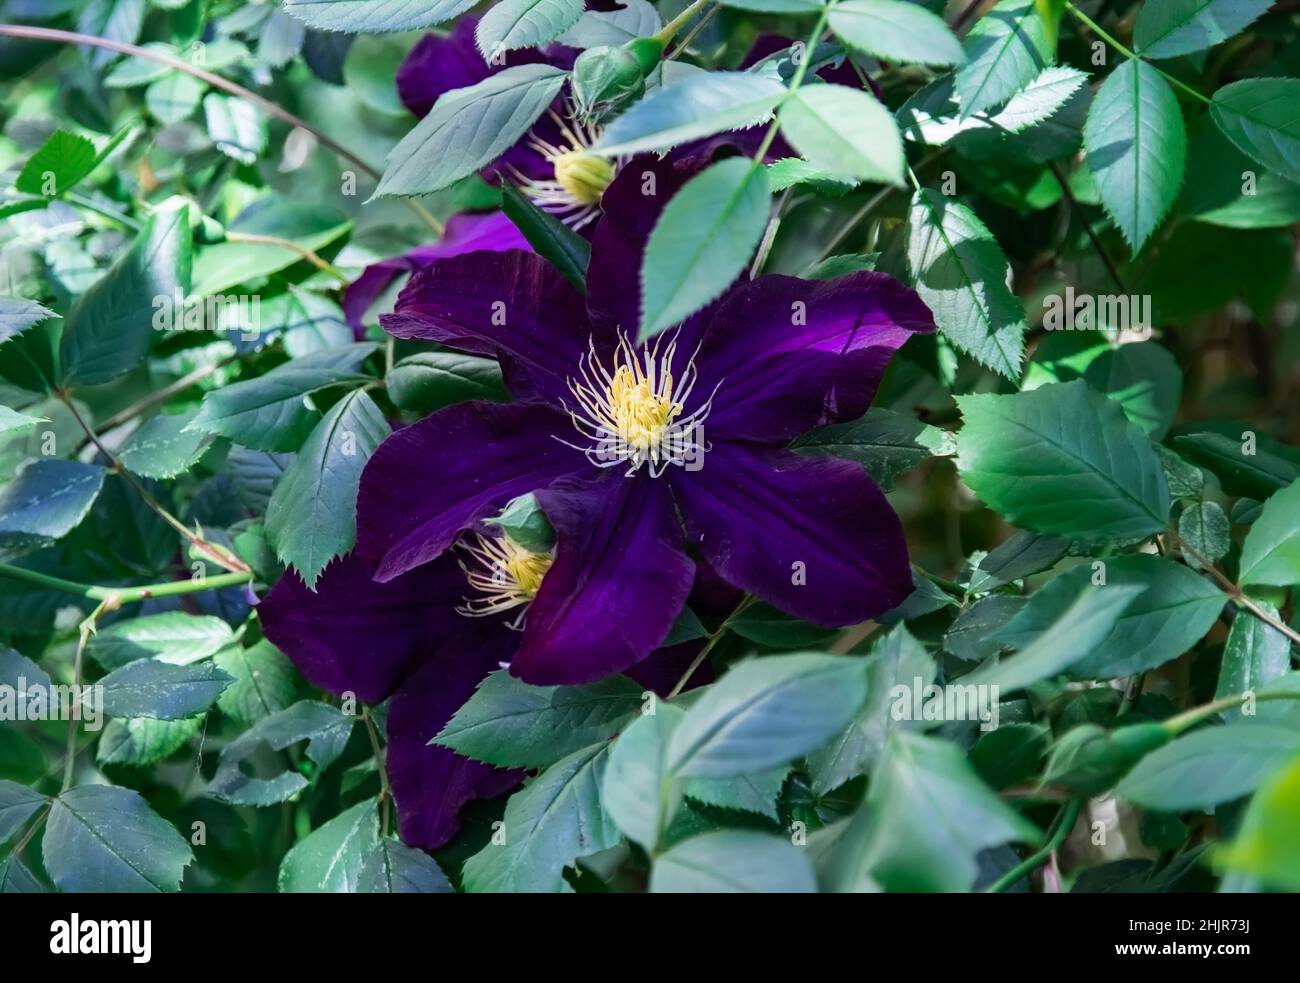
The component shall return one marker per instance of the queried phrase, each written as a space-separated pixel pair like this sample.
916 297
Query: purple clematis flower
464 234
402 640
610 437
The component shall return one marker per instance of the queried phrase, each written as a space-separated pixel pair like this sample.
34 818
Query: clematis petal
427 482
431 783
355 635
791 354
510 304
465 233
812 536
617 584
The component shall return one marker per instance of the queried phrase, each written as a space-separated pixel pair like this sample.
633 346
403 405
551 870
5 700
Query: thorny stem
1064 822
162 58
74 718
218 554
315 259
385 789
127 595
713 640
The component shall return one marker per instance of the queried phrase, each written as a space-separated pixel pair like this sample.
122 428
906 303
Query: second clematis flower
638 453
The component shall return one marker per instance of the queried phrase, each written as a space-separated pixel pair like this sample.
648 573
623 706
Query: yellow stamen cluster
504 574
580 177
636 411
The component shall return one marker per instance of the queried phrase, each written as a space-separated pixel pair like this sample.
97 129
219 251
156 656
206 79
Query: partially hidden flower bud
524 522
1090 759
607 79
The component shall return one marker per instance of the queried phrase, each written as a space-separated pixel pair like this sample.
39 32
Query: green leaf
1078 632
926 816
1005 51
972 637
733 861
743 793
144 741
105 838
1169 28
109 329
1204 527
173 637
1018 557
174 97
18 803
845 132
896 659
148 688
1255 654
1245 462
236 126
1266 846
326 730
468 128
776 6
1209 766
1258 116
1011 754
428 381
21 758
270 412
1271 553
1136 147
1062 459
885 442
509 723
896 31
1175 609
638 792
768 626
45 503
704 238
16 878
554 241
524 521
163 448
1224 187
392 867
554 820
306 321
767 712
961 274
17 314
515 24
311 518
63 160
1144 378
265 681
329 860
697 106
374 16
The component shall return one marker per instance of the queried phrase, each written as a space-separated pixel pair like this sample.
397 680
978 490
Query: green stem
126 595
796 80
88 203
1129 53
708 647
1178 723
385 789
1064 822
669 30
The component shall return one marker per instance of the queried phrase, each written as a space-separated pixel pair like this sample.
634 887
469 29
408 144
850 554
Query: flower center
583 175
503 575
580 177
635 411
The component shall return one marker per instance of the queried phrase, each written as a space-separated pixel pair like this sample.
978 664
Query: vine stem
126 595
1178 723
713 640
167 391
314 258
218 554
162 58
701 24
796 79
669 30
385 789
1129 53
1237 595
1061 826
